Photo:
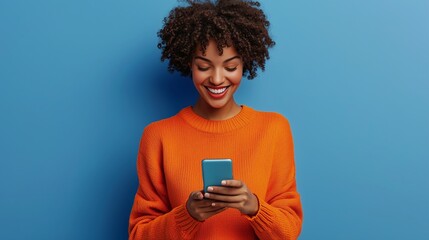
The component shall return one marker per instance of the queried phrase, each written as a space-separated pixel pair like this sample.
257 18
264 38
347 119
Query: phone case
216 170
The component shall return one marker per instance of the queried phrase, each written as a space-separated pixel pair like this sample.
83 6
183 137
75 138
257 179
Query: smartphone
216 170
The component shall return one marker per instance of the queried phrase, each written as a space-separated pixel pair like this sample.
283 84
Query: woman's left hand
233 194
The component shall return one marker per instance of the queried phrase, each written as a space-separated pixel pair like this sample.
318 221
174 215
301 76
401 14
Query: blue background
79 80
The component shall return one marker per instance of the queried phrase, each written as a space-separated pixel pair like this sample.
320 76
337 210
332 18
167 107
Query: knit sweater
169 169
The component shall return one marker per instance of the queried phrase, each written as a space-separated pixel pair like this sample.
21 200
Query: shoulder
274 124
158 128
272 119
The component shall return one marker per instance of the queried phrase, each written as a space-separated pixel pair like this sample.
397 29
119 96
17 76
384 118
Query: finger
232 183
251 211
203 204
226 198
226 190
236 205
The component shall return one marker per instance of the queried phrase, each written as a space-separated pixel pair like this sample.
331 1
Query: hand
200 208
233 194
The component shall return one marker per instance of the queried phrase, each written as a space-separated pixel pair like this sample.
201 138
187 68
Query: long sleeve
169 169
151 215
280 213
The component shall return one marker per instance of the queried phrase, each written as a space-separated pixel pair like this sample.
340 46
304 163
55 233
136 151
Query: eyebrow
207 60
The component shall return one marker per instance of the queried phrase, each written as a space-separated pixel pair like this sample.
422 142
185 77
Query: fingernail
223 182
206 195
209 189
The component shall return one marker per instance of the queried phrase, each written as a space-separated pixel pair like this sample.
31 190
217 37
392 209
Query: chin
217 105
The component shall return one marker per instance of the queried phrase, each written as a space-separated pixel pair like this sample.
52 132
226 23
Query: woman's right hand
200 208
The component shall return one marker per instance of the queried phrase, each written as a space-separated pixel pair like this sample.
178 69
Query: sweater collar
217 126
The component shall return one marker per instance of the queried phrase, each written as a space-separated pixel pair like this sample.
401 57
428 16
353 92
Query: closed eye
231 69
203 69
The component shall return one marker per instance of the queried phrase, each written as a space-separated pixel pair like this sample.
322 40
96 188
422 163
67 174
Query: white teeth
217 91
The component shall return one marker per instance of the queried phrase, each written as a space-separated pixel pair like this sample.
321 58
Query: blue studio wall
79 80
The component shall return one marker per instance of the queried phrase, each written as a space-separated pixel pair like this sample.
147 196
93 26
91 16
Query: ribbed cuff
263 219
186 224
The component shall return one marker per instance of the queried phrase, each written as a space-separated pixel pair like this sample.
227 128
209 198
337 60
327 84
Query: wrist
253 206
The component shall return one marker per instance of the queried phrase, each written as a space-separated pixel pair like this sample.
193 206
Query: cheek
198 78
235 77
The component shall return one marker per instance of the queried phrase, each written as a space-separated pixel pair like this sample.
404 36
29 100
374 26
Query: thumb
197 195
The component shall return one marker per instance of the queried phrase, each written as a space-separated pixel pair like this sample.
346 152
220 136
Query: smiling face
215 77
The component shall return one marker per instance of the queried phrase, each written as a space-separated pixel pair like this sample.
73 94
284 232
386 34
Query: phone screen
216 170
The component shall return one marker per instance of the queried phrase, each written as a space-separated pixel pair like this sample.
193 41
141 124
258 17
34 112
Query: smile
217 90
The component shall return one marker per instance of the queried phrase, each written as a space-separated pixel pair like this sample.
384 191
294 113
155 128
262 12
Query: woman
216 44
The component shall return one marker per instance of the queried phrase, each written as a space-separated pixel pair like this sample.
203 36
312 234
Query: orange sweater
169 169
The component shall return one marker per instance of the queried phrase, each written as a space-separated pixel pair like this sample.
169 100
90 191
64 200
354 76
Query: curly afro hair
237 23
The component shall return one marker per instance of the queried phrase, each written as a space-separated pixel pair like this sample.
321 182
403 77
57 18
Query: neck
208 112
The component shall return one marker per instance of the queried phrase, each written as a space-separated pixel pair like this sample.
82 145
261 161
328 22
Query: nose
217 78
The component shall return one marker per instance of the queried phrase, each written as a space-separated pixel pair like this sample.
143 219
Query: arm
280 213
151 215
